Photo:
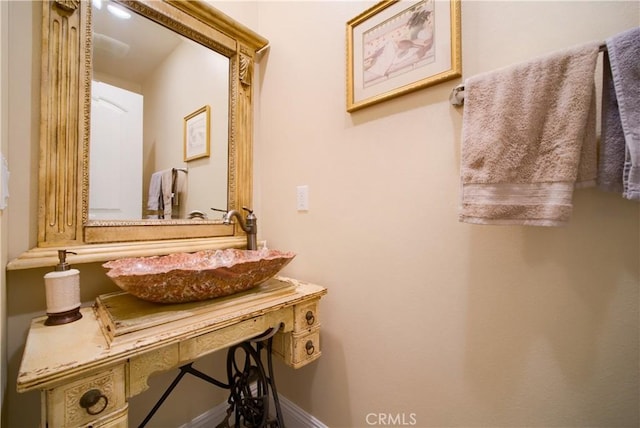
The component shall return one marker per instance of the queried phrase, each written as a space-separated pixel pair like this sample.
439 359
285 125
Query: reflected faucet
250 227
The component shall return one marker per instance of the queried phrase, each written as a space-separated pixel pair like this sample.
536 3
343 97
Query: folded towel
167 192
155 191
528 139
624 55
179 185
612 145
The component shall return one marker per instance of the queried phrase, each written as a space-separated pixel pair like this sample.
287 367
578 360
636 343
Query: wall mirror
80 188
146 79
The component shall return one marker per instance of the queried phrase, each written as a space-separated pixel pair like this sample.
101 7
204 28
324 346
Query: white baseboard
294 416
210 418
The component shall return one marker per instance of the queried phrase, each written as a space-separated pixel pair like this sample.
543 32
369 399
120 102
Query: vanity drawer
306 316
118 419
297 349
99 399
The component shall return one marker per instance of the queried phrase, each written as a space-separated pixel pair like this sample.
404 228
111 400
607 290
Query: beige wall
4 142
461 325
21 215
457 325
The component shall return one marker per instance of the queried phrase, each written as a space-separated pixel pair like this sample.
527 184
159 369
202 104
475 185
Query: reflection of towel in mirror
167 192
179 186
155 194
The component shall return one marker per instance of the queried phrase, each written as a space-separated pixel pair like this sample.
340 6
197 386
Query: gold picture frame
197 134
399 46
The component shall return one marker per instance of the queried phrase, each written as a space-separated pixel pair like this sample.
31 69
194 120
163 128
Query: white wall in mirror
188 80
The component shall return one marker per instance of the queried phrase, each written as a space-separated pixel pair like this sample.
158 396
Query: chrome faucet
250 227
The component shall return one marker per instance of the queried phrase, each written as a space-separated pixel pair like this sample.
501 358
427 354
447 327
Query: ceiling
129 49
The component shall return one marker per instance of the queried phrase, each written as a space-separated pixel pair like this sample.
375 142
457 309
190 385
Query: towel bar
456 98
457 95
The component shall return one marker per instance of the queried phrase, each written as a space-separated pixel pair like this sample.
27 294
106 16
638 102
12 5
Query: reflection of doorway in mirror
115 175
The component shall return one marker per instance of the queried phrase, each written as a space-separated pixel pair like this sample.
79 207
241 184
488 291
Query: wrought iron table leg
164 397
187 368
252 410
249 384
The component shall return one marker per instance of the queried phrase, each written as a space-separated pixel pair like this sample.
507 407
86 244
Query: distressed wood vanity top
124 317
119 327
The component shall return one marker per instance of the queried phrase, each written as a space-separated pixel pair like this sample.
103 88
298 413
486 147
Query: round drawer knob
91 398
309 347
310 318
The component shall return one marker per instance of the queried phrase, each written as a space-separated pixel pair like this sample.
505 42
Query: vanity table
88 369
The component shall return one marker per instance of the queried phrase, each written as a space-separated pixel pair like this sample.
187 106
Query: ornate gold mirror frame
65 128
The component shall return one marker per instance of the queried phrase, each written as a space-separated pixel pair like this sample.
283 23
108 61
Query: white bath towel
161 194
528 139
624 56
154 200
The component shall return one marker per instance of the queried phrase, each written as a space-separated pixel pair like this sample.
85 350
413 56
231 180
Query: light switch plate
302 198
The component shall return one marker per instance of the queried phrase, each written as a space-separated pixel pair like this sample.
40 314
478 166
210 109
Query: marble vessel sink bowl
189 277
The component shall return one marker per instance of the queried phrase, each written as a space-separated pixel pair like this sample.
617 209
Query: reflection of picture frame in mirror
197 131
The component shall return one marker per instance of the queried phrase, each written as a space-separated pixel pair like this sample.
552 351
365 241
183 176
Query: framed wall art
197 131
399 46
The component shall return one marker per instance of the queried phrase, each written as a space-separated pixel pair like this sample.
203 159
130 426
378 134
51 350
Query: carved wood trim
142 366
226 24
62 133
246 69
106 384
39 257
67 5
63 402
187 25
234 140
245 125
65 125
